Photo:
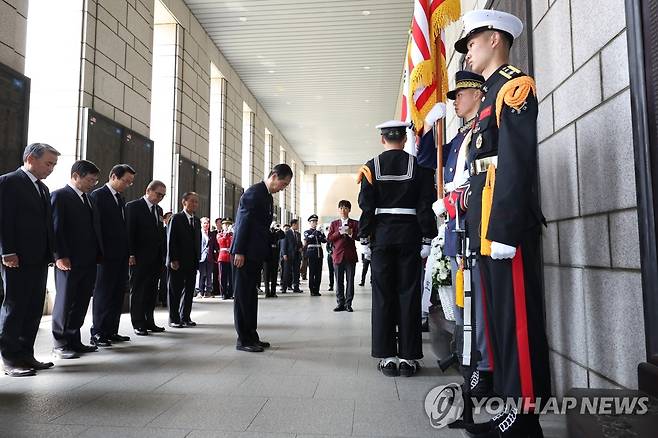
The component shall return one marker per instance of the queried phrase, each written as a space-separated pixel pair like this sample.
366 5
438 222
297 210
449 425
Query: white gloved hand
425 251
501 251
437 112
439 207
367 252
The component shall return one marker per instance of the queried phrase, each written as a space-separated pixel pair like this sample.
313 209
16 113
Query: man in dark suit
343 233
112 272
207 260
289 253
146 243
183 254
26 246
251 245
78 245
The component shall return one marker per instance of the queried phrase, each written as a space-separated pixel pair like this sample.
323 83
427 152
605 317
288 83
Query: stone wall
13 31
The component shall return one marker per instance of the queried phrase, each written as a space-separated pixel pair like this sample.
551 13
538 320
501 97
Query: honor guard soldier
313 240
467 96
396 199
504 220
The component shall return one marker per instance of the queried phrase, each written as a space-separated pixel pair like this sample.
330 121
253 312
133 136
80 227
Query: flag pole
438 125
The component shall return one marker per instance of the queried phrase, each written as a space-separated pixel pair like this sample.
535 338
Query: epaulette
509 72
514 94
364 171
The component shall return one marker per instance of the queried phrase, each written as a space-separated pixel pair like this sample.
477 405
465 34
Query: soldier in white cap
504 221
398 224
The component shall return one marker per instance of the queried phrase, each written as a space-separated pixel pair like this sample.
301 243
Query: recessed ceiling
326 71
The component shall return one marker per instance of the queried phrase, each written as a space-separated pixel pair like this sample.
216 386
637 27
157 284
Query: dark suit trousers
245 307
271 270
345 283
205 276
20 315
330 263
181 293
296 266
111 285
144 280
314 273
74 290
226 274
215 279
396 296
286 274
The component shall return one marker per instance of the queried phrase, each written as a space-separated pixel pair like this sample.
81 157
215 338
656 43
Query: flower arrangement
441 275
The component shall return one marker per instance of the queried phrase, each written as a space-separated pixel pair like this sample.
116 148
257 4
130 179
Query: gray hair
155 184
38 149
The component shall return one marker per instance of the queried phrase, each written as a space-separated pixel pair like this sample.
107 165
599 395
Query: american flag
426 81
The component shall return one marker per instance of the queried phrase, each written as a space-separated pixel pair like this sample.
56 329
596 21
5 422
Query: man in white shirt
26 246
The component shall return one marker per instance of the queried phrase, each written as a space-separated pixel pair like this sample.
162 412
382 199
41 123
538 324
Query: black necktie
154 213
192 222
42 191
120 202
86 201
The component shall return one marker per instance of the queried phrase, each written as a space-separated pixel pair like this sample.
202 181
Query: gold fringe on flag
448 12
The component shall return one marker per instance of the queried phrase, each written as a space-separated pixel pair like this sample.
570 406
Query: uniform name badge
478 141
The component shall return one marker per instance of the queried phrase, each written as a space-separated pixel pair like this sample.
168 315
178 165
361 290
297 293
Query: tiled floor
317 380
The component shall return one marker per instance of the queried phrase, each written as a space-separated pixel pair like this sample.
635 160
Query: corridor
317 379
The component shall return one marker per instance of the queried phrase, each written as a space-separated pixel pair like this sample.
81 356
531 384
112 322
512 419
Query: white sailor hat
488 19
393 124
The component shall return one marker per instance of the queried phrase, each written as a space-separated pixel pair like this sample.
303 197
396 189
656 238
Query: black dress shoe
349 308
264 344
408 368
339 308
155 329
141 332
361 284
189 323
176 325
389 369
331 289
298 291
84 348
118 338
100 341
250 348
19 371
33 363
65 353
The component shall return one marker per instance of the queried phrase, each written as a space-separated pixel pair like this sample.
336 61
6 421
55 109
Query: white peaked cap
393 124
488 19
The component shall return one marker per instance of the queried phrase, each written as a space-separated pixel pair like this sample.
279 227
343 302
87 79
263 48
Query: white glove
439 207
437 112
501 251
425 251
367 252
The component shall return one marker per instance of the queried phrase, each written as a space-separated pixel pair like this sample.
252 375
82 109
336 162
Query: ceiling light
260 57
288 103
367 101
366 67
366 13
271 71
243 19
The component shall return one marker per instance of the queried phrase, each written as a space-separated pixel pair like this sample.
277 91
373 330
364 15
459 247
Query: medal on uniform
478 141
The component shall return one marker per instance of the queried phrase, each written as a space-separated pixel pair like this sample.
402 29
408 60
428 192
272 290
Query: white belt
482 165
410 211
223 249
313 245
